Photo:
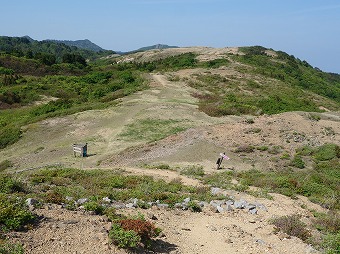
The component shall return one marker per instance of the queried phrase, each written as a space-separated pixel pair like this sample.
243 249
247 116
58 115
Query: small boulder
229 202
106 200
130 205
215 190
229 208
164 206
241 204
82 201
253 211
31 202
186 200
68 198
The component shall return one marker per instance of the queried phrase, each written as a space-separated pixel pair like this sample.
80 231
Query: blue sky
307 29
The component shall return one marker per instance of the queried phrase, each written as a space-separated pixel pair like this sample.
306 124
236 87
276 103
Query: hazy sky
307 29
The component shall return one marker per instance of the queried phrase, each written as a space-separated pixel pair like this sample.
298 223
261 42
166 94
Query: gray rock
178 205
229 202
219 209
184 207
259 241
215 190
106 200
250 206
164 206
130 205
151 203
31 202
216 203
82 201
229 208
118 206
262 207
253 211
187 200
202 204
68 198
241 204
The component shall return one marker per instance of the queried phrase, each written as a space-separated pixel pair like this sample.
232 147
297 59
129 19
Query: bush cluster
132 233
292 225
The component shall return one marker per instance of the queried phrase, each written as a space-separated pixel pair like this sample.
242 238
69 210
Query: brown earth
50 142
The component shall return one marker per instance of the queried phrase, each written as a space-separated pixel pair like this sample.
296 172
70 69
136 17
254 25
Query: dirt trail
50 141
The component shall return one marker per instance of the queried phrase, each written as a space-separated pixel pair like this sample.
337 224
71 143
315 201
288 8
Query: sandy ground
64 231
50 142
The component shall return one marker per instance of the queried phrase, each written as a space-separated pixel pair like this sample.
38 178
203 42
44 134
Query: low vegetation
152 129
133 233
291 225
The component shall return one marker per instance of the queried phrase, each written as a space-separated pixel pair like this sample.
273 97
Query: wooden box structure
80 149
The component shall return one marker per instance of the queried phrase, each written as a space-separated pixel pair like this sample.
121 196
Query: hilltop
83 44
155 123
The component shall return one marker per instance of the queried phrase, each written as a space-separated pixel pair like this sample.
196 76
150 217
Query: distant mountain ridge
82 44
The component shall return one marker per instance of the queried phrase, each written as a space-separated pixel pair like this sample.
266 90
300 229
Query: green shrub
194 171
5 165
291 225
329 223
9 135
14 214
327 152
274 150
94 206
194 206
244 149
331 243
297 162
304 150
129 233
10 248
10 185
124 238
262 148
314 117
54 197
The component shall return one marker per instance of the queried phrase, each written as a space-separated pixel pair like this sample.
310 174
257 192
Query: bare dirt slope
64 231
50 142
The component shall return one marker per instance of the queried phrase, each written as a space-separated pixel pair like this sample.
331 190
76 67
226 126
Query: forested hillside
48 52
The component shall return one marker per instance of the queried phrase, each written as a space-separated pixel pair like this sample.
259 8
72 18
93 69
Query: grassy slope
269 84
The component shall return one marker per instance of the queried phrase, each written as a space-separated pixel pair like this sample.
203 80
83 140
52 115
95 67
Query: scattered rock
68 198
259 241
253 211
106 200
220 209
130 205
31 202
215 190
229 202
229 208
241 204
151 216
163 206
186 201
82 201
